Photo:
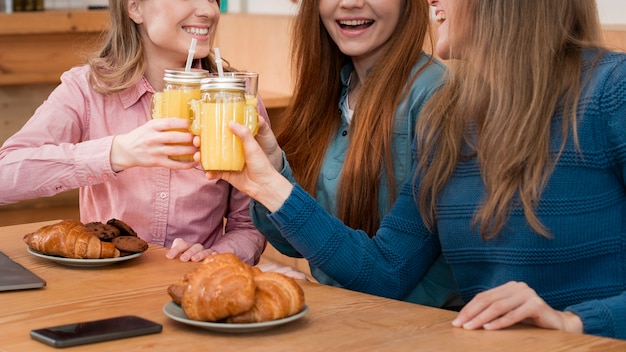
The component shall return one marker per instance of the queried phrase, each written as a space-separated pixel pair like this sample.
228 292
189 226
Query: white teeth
354 22
441 16
197 31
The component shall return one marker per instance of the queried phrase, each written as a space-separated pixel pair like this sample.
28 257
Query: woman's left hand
511 303
188 251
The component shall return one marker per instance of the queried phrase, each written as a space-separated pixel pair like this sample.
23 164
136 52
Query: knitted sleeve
388 265
607 317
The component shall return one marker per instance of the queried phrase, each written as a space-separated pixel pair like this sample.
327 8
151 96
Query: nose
352 3
207 8
433 2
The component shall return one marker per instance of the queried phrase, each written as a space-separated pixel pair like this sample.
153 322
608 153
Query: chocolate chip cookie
125 230
105 232
130 244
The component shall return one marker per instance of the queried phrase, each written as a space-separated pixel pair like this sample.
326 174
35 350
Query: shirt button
105 177
90 179
58 187
344 133
162 195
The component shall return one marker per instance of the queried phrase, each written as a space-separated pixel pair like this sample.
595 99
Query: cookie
105 232
125 230
130 244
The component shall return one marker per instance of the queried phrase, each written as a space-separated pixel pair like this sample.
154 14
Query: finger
172 137
239 130
481 309
166 162
178 246
177 150
194 249
169 123
513 316
263 127
535 311
198 257
212 175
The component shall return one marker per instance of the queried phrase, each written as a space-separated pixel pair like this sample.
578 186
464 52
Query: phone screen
95 331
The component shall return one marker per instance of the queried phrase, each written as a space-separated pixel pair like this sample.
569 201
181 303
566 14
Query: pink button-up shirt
66 145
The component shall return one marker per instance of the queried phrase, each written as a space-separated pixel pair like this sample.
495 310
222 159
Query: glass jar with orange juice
180 88
223 100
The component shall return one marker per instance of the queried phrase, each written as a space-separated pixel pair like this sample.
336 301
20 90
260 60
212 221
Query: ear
134 12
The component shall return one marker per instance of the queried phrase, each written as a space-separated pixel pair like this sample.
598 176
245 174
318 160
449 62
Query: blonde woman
94 132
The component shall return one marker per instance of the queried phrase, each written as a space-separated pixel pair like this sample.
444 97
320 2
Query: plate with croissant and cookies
72 243
225 294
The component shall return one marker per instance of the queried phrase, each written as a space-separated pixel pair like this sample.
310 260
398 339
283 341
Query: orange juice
220 149
222 101
180 88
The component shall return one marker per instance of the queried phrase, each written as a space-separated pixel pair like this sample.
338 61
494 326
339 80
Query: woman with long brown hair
519 183
361 78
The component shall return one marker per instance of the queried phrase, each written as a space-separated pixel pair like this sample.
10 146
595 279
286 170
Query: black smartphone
95 331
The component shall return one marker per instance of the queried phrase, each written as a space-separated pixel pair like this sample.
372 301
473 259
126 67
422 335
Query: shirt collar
133 94
346 70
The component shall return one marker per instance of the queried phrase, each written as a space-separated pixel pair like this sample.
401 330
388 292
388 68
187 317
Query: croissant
70 239
225 288
222 286
277 296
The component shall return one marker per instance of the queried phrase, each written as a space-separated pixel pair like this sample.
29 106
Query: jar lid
230 83
179 75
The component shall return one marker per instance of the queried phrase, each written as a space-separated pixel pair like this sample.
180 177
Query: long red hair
312 118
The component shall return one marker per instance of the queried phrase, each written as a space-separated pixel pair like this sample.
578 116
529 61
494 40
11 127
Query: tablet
13 276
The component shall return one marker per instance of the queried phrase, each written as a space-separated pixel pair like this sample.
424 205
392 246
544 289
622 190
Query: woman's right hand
151 144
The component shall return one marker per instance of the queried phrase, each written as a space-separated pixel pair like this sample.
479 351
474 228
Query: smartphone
95 331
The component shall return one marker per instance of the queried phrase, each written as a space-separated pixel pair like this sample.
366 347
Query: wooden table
338 319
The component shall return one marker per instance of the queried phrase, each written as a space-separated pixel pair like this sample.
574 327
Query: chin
442 51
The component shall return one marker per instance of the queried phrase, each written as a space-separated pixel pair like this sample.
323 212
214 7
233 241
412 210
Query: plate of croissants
72 243
227 295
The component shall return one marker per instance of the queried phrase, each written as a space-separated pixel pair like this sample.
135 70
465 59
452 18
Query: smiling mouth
355 24
196 31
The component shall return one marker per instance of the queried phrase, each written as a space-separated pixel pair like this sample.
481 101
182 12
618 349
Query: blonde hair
118 62
312 117
522 61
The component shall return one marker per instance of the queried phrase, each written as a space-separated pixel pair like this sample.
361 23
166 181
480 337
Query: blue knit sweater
582 268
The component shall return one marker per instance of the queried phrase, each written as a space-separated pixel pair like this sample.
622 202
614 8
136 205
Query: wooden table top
338 319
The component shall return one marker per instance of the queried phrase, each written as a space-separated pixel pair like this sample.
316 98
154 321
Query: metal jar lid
193 76
223 83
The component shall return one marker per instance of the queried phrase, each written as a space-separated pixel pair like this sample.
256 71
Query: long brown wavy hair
312 117
521 61
118 62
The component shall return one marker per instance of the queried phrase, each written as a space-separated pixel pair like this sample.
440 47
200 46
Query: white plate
174 311
83 262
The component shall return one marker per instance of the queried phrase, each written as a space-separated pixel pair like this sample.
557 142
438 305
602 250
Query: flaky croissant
225 288
70 239
277 296
222 286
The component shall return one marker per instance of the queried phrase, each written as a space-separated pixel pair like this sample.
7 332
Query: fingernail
468 325
456 322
